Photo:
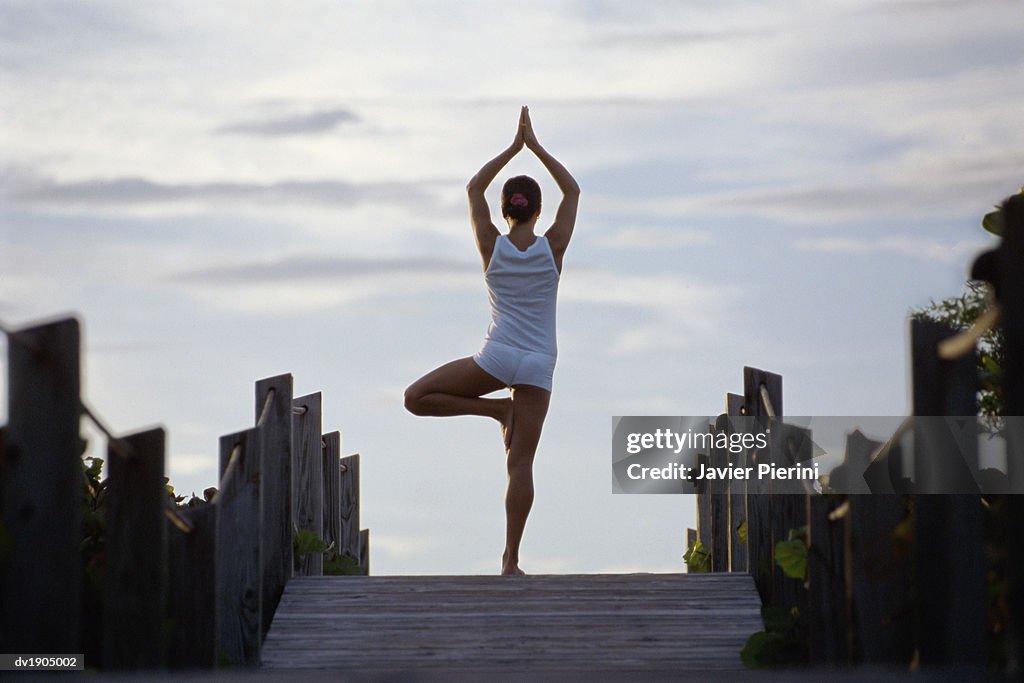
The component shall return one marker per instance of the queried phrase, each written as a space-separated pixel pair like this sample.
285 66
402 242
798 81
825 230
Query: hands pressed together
524 134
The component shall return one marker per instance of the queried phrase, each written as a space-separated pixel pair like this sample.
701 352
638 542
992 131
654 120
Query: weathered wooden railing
183 588
895 576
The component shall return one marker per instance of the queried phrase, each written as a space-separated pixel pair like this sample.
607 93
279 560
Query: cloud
401 546
308 283
184 464
648 238
670 38
910 246
43 33
866 43
669 311
19 186
916 6
295 124
947 190
311 267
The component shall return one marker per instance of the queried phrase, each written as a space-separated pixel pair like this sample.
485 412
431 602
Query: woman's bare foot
510 566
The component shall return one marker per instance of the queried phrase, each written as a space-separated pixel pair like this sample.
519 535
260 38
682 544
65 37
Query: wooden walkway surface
592 622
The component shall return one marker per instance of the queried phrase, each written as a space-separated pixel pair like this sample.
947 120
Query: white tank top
522 287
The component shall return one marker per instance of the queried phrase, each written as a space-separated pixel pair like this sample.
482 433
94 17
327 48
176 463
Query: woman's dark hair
526 194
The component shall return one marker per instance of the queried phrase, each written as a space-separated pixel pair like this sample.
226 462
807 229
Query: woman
521 270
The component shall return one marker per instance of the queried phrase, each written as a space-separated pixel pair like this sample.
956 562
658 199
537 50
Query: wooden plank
704 530
789 446
135 550
364 552
237 617
1011 275
307 473
40 584
950 580
348 531
490 623
848 477
760 543
191 594
882 615
718 492
737 494
753 380
761 536
274 419
332 490
826 614
1011 256
735 404
949 462
948 528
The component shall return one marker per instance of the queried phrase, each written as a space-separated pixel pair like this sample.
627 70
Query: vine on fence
307 543
791 554
91 550
782 642
697 558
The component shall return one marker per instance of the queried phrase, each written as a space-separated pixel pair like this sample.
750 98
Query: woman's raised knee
413 402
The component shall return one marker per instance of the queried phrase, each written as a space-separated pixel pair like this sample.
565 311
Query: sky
232 190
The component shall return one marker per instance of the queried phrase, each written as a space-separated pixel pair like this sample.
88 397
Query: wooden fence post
307 476
135 549
238 619
274 419
789 446
1011 271
718 492
830 520
705 533
761 536
348 528
737 495
331 460
364 552
191 594
880 585
948 528
827 617
40 584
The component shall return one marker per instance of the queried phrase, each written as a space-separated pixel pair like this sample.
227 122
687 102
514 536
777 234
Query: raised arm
479 213
560 231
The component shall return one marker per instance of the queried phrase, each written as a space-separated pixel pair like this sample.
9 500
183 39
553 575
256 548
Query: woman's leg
455 388
530 407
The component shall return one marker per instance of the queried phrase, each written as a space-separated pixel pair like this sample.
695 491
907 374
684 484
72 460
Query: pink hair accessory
518 200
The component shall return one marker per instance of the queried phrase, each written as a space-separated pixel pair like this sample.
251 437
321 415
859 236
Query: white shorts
514 366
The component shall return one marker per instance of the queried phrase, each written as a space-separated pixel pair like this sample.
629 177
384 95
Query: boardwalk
597 622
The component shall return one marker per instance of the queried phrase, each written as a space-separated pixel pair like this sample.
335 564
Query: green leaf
697 558
993 222
764 649
342 565
741 531
94 469
307 543
791 556
776 619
